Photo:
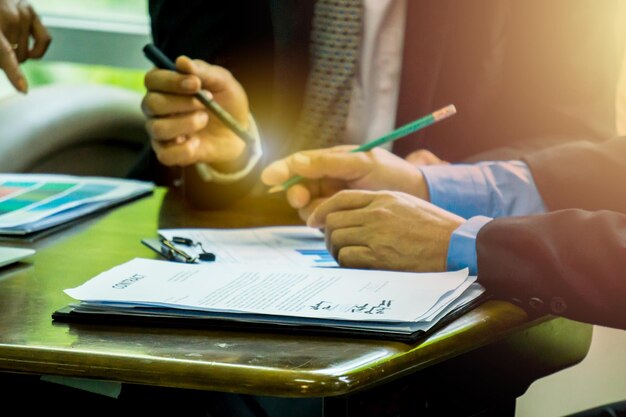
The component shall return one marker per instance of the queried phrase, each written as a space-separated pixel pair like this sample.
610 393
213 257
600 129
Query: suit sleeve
570 263
235 34
582 174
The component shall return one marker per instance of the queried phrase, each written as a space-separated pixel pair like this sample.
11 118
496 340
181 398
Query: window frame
97 42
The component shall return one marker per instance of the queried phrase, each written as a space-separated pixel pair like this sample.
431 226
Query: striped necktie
335 39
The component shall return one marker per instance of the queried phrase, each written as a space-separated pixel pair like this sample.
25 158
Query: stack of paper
34 202
398 305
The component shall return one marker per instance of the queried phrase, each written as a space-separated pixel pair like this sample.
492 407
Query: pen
160 60
400 132
172 252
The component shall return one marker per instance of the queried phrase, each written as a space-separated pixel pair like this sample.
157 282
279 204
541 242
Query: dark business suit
521 74
569 263
572 261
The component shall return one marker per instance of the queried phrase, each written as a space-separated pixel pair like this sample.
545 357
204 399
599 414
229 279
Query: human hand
424 157
182 130
330 170
385 230
18 23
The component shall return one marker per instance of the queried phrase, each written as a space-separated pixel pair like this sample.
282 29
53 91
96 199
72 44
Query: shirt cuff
460 189
493 188
462 248
210 174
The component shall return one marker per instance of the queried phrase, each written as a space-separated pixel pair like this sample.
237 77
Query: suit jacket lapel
291 21
426 34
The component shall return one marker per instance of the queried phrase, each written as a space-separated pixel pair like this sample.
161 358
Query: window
111 10
95 41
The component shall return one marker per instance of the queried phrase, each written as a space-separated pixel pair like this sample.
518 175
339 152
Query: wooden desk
489 357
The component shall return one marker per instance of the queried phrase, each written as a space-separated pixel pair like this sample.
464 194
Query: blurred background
95 42
99 42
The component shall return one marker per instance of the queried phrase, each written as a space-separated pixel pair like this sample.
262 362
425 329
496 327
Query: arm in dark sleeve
235 34
570 263
582 174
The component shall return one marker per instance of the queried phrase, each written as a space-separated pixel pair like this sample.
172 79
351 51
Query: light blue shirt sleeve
493 189
462 248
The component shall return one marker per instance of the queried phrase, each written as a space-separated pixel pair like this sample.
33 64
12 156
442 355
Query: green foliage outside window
42 73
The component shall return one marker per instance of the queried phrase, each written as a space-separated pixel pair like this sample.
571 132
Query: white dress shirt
376 86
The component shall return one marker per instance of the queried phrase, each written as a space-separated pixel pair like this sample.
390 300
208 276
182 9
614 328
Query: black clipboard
71 314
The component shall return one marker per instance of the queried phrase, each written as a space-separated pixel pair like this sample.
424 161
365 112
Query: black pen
160 60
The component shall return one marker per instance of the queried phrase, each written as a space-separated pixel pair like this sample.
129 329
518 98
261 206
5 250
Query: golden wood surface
266 364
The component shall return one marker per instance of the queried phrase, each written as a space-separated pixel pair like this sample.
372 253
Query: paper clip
170 251
203 256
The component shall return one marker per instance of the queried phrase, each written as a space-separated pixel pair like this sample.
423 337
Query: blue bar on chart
322 254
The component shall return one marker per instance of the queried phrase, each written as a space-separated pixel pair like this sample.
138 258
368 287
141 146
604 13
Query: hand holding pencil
195 112
310 177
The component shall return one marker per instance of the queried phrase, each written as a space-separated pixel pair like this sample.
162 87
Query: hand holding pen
184 131
310 177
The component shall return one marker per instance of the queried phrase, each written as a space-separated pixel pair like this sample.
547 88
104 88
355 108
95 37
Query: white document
277 245
320 293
